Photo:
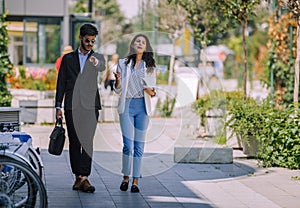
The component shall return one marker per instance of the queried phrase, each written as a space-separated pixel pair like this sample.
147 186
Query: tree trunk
172 61
244 26
201 80
296 83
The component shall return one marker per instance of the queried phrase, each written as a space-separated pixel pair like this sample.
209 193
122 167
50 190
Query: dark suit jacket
78 88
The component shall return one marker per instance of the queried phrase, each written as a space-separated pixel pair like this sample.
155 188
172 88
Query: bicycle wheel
35 160
20 186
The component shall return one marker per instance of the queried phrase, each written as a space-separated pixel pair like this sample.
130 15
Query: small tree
5 63
108 12
208 13
239 10
207 22
111 17
172 19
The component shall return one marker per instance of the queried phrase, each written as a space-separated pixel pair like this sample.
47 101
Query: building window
37 43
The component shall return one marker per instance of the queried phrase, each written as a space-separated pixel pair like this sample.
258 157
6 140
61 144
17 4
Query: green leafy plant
280 138
34 84
216 99
246 117
166 108
277 130
50 79
280 57
5 63
220 138
162 77
215 105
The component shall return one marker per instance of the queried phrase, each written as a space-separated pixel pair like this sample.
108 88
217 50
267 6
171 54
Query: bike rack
18 147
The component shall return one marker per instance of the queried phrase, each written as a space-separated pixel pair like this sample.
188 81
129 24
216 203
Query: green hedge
277 128
280 139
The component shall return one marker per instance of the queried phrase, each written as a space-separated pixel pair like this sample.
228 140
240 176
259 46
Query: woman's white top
132 84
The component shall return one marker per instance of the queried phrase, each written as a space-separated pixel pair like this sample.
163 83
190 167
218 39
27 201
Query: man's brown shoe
77 183
85 186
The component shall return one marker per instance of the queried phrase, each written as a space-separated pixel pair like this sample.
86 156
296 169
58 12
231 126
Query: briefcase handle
58 122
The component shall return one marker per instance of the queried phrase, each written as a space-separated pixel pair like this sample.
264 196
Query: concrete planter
214 122
28 111
250 146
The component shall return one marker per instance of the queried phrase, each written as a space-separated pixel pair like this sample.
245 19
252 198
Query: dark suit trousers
81 125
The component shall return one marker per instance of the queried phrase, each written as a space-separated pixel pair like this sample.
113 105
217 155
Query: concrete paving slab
209 155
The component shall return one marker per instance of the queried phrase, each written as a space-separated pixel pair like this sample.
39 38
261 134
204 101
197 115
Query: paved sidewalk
164 183
241 184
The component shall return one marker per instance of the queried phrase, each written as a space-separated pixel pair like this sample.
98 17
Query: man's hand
94 60
59 114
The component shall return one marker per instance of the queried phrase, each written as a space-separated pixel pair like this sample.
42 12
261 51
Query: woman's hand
117 75
150 91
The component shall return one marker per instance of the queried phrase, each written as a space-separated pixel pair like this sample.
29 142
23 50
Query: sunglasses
86 40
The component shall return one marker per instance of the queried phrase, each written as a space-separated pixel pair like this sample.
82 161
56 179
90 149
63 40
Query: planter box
214 122
28 111
250 146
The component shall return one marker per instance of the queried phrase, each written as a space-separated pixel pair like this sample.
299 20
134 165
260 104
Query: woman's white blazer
125 74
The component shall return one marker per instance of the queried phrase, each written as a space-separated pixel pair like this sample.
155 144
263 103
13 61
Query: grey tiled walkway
166 189
241 184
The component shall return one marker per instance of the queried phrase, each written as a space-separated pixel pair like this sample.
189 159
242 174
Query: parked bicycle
21 170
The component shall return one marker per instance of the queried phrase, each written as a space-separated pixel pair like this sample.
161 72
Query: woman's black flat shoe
135 189
124 186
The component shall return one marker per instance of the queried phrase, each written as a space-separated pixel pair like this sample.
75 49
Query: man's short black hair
88 29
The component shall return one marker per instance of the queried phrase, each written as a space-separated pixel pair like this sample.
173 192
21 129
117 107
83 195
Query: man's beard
83 46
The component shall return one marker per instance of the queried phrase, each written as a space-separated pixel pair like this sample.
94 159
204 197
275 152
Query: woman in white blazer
135 83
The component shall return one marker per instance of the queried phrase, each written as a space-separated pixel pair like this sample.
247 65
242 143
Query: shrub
5 63
166 108
280 138
5 99
246 117
50 79
276 129
216 99
216 104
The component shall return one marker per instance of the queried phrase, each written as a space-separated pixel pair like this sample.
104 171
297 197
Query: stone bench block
215 155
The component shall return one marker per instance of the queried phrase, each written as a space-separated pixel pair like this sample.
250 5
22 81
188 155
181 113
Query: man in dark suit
77 85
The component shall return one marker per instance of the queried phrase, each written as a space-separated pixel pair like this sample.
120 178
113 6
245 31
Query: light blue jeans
134 123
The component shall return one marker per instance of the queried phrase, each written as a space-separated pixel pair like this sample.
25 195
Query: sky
129 7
